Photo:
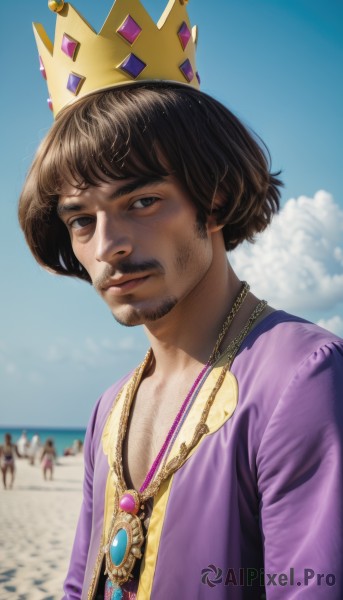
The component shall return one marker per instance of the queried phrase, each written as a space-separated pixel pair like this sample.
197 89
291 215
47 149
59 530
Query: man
219 459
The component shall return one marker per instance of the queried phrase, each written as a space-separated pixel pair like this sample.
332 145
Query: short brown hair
149 130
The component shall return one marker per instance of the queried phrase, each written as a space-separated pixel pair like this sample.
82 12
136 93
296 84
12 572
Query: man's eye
145 202
80 222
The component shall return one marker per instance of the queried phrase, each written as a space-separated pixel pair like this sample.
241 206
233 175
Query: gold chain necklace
118 466
126 534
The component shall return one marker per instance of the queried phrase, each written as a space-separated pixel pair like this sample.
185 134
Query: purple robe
262 492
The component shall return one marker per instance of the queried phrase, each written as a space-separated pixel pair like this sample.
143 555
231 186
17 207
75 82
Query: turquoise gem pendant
118 547
124 547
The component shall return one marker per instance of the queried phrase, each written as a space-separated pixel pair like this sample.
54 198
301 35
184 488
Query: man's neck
187 335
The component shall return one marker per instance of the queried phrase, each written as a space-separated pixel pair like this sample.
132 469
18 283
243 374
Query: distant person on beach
75 449
48 459
7 460
23 445
34 449
223 448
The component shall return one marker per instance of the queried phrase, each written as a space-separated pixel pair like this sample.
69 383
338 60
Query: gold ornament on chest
127 537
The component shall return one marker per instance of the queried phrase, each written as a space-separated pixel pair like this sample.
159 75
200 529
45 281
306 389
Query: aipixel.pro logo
211 576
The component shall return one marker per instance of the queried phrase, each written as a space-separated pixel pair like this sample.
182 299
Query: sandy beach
38 520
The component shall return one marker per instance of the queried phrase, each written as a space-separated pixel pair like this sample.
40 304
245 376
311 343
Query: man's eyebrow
135 185
128 188
65 209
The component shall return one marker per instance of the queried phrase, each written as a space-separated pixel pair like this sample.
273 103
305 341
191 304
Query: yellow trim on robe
148 566
222 409
109 443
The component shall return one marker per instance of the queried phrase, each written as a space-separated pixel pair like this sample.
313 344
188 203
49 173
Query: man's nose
112 240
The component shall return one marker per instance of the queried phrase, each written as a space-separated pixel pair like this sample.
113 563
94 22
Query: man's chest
151 418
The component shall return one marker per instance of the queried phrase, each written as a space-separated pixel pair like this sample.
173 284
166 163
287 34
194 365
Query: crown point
195 34
56 5
49 102
129 30
186 69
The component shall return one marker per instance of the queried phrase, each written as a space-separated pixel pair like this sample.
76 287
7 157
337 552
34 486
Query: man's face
140 243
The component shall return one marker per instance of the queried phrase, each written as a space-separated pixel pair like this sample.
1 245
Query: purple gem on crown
132 65
74 83
184 35
69 46
186 69
129 30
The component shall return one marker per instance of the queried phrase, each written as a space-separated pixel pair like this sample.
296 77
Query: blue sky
277 64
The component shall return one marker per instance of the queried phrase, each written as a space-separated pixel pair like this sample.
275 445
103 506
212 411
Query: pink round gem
49 101
128 504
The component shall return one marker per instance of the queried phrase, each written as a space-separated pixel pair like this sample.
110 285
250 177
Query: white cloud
127 342
10 368
89 352
91 347
55 353
119 343
6 362
36 378
297 263
334 324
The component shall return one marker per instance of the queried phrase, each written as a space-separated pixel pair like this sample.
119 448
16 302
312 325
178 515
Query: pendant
125 540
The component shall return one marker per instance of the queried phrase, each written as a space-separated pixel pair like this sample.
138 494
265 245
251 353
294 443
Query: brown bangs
94 145
147 131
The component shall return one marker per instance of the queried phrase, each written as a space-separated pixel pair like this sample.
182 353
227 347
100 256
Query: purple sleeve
74 580
299 468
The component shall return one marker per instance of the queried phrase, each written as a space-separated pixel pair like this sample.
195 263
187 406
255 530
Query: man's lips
119 285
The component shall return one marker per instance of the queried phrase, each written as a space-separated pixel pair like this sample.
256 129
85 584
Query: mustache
126 268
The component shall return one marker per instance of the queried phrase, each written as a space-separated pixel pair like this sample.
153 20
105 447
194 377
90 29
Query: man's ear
212 225
212 219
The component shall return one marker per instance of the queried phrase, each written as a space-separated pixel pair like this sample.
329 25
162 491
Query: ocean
63 438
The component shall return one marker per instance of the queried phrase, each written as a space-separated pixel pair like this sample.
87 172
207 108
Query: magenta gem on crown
42 68
69 46
184 35
129 30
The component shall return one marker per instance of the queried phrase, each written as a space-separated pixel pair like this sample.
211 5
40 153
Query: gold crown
130 48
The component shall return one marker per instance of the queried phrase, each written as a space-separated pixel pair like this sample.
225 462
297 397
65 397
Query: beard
139 316
132 315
